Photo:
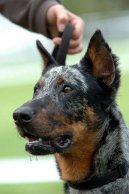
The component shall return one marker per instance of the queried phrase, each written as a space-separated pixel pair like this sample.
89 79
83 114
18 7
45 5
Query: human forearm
30 14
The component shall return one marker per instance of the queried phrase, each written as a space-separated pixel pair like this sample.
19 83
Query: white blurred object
14 38
31 170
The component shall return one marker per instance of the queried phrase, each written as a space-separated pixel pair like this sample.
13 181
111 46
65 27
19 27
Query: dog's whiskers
36 158
30 157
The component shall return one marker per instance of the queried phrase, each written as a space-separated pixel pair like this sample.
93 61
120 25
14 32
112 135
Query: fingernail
61 27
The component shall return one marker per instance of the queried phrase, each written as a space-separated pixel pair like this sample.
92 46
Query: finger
62 20
74 47
79 28
57 18
76 50
56 40
78 24
73 43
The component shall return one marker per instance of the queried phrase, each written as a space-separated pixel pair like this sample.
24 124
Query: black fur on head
47 57
69 98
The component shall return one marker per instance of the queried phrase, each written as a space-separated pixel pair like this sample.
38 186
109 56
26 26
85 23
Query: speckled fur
93 86
117 141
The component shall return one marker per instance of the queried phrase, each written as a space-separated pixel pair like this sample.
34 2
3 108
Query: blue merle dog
74 115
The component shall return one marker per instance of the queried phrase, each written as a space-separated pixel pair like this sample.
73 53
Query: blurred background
20 68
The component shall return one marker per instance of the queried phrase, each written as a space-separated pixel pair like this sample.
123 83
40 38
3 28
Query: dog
74 115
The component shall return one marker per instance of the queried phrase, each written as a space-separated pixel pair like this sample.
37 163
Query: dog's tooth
31 142
36 141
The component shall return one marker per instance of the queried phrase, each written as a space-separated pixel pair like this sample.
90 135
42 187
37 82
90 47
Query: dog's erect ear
47 58
99 54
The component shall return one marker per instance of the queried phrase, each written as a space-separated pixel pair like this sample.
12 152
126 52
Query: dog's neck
115 146
111 152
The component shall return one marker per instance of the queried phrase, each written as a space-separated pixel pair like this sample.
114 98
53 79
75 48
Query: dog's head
70 103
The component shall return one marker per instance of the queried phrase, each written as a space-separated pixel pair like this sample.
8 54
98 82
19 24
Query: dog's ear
99 54
47 58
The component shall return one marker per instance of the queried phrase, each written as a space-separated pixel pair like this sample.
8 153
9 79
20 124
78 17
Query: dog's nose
23 115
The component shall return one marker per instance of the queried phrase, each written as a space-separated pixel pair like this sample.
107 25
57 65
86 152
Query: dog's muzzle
40 145
49 145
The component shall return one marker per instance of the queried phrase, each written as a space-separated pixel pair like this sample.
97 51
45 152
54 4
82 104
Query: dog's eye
67 89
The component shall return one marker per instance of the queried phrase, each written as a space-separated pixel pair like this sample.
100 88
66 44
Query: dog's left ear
47 58
99 54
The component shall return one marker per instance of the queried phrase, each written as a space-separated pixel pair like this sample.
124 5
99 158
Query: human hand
57 18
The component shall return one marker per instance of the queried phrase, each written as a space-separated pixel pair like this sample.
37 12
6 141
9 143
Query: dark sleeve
30 14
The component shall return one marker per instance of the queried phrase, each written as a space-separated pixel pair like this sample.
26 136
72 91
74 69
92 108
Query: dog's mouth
48 145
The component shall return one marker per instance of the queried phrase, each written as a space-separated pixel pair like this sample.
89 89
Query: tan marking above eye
41 83
59 81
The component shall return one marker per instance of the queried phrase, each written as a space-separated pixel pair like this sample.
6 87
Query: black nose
23 115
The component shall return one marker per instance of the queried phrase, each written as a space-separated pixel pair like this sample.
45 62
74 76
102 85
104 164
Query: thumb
62 20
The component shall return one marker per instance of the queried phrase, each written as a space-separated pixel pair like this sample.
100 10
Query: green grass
47 188
123 97
12 98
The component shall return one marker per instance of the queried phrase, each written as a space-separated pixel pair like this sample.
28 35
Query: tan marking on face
93 121
59 81
76 164
49 122
41 82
